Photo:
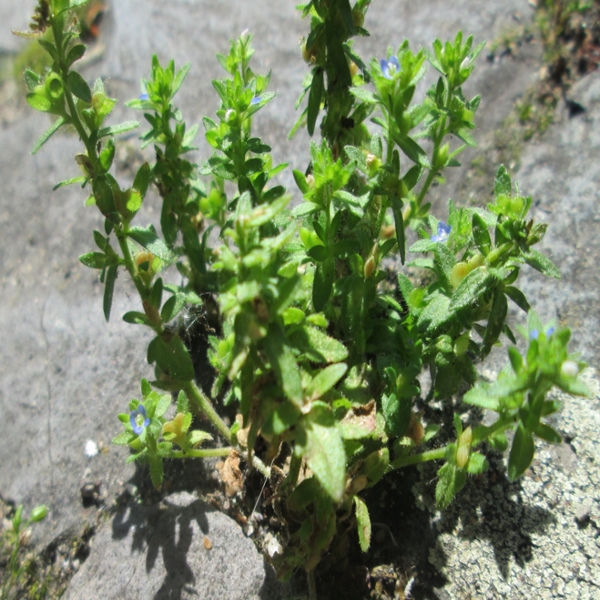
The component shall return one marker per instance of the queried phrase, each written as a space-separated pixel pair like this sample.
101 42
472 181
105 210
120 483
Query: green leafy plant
16 538
316 351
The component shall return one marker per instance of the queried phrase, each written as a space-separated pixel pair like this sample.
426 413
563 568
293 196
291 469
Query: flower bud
459 271
357 484
569 368
476 261
38 513
461 344
373 164
466 437
309 54
369 267
462 457
358 17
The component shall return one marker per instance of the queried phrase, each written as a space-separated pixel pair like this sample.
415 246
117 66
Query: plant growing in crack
318 355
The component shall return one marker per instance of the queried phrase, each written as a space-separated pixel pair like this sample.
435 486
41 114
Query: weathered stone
181 548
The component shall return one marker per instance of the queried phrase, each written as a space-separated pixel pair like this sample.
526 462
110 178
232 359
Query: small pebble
91 448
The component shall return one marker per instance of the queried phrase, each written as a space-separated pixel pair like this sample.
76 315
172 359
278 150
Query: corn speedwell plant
317 350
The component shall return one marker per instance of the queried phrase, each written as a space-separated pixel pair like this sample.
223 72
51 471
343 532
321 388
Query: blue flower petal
389 67
443 232
534 334
139 420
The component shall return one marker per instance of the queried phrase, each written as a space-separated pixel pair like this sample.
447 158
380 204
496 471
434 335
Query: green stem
441 132
206 453
203 403
416 459
121 234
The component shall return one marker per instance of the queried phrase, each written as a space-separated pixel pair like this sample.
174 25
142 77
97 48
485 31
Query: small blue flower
534 333
255 100
139 420
443 232
144 96
389 67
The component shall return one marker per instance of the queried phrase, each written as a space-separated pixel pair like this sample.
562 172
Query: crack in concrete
49 395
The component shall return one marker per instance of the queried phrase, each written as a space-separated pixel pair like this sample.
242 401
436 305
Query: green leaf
481 235
518 297
412 150
196 437
363 94
443 261
69 182
314 100
481 396
172 307
124 438
318 346
376 465
541 263
142 179
172 357
109 287
147 238
49 47
94 260
521 453
117 129
322 284
397 412
399 224
547 433
325 380
451 481
104 195
179 78
502 185
324 449
283 363
281 418
471 288
477 464
107 155
32 79
163 406
318 253
496 321
75 53
156 470
58 123
305 209
77 85
363 523
137 318
435 314
301 182
38 101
